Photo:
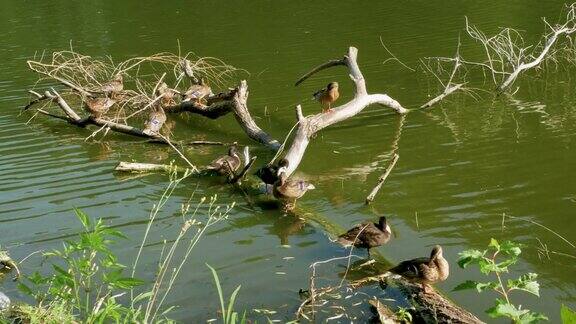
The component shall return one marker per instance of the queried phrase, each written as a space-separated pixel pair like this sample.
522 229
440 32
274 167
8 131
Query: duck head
436 252
233 150
332 85
383 225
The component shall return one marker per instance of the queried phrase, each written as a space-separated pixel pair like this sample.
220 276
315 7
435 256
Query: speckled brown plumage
226 164
425 271
327 96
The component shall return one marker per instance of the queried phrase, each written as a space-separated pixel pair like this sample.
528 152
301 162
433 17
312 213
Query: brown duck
425 271
167 94
367 235
288 189
113 86
226 164
198 92
155 121
97 107
327 96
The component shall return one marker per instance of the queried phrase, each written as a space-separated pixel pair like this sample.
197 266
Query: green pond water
462 164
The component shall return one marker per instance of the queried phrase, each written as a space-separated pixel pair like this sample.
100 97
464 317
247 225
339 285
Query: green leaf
127 283
527 283
494 244
567 315
479 286
504 309
219 288
231 304
511 248
83 217
25 289
532 317
470 257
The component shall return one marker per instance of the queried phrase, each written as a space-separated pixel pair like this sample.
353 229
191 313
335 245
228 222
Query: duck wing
155 123
412 269
294 188
318 94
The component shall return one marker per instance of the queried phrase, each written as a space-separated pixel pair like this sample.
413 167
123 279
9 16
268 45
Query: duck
425 271
226 164
113 86
327 96
155 121
367 235
289 190
167 95
198 92
269 173
98 107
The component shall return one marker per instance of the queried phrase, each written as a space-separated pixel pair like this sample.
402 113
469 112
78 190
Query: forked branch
310 125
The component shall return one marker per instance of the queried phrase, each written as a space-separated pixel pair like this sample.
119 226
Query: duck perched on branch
227 164
198 92
269 173
98 107
168 94
327 96
289 189
113 86
425 271
155 121
367 235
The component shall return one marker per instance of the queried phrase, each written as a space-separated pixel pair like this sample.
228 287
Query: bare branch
381 180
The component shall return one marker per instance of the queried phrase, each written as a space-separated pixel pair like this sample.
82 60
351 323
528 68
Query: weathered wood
147 167
310 125
449 90
431 307
381 180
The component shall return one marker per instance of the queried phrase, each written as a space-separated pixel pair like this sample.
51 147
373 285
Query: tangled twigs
506 55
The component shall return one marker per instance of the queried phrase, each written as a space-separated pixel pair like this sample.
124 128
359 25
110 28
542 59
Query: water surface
462 165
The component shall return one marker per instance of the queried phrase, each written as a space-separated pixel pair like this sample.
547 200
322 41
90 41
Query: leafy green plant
403 315
86 277
495 260
567 315
229 316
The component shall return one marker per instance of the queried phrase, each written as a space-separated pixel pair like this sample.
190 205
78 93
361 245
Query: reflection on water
462 164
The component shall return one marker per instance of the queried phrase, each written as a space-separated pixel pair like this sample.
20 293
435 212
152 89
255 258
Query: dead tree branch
310 125
381 180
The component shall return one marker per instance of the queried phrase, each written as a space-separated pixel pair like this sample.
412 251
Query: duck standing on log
226 164
167 94
269 173
367 235
327 96
425 271
114 86
155 121
198 92
98 107
289 190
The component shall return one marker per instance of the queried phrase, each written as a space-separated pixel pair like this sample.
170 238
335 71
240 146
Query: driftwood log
310 125
430 307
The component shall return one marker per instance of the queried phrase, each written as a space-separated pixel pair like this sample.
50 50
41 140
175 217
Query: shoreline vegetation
86 283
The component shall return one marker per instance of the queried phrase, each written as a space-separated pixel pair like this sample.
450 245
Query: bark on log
429 307
235 101
310 125
147 167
